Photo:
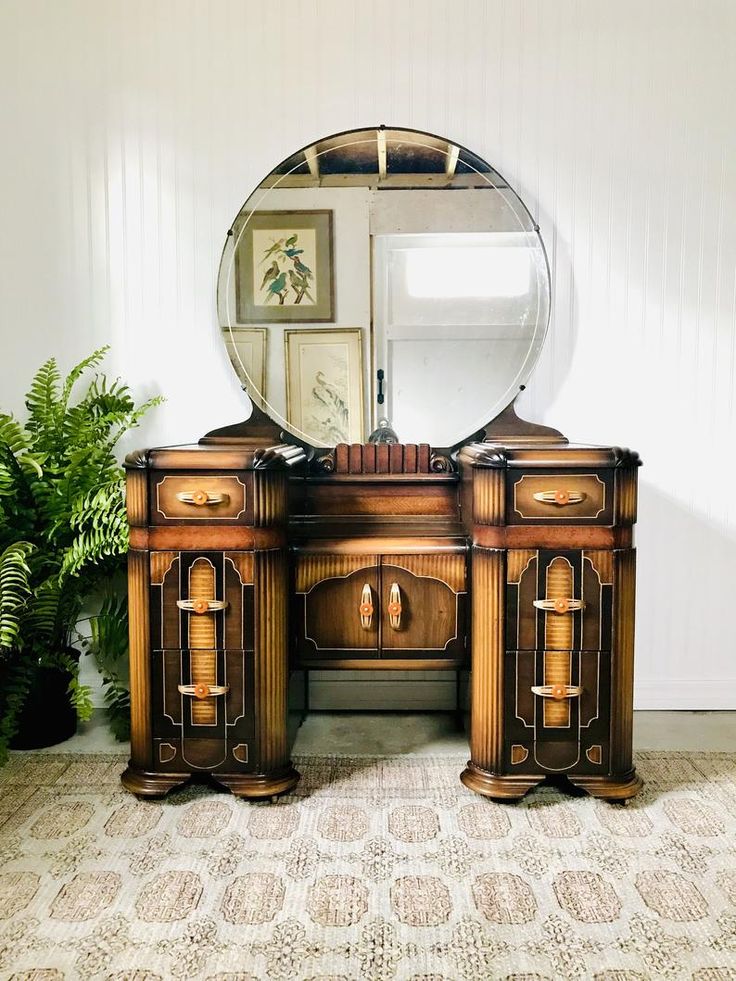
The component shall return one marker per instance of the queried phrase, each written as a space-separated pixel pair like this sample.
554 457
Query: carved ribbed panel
271 658
448 568
558 635
243 562
311 569
486 728
556 672
140 647
382 458
622 663
516 562
626 496
202 640
488 497
136 497
270 498
160 565
602 562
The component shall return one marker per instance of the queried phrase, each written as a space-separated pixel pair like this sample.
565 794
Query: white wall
134 129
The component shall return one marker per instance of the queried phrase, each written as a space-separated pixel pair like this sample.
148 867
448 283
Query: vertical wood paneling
486 734
134 131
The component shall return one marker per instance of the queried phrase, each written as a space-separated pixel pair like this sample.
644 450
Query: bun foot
496 787
145 784
259 785
616 789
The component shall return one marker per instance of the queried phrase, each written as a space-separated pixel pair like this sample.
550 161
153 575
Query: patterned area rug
375 869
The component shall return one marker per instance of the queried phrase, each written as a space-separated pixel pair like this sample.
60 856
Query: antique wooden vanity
267 548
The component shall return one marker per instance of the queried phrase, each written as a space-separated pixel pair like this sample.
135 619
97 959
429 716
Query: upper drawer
550 497
201 497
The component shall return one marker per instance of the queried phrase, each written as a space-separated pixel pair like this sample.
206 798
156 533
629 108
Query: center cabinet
391 606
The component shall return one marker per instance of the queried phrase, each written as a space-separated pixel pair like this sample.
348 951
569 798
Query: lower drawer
557 711
203 710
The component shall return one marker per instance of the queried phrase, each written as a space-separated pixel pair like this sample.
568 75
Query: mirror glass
383 284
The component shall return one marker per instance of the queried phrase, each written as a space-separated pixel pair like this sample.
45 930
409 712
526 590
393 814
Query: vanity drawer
203 710
558 497
202 599
201 497
559 600
557 707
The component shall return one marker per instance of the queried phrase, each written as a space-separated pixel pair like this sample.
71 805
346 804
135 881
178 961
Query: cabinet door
423 605
336 608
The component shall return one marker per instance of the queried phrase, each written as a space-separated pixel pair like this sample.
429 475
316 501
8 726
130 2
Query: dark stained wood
455 552
543 536
385 664
203 537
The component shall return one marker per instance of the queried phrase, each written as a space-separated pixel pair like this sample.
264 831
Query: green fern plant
63 532
108 644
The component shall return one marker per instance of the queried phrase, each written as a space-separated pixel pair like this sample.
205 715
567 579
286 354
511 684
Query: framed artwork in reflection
324 384
247 349
284 267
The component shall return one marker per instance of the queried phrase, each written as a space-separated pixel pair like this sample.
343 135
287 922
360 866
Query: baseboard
685 693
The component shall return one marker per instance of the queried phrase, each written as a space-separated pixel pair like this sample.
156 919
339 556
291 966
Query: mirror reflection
383 284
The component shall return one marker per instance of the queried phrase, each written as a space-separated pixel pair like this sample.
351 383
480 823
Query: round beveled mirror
383 284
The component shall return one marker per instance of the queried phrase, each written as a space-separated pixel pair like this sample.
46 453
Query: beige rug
375 869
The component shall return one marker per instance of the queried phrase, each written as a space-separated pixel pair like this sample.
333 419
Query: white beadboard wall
133 130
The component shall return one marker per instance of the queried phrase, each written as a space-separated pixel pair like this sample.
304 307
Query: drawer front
549 498
559 600
201 498
557 711
203 711
202 600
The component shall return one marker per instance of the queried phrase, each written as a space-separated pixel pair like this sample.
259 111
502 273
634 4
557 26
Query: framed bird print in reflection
324 384
284 267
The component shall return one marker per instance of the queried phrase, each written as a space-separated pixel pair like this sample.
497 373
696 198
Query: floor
435 733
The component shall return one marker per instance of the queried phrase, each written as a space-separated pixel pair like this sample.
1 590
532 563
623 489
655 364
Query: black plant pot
48 717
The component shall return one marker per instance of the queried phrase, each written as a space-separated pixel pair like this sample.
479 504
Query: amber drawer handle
559 605
201 690
366 607
201 605
557 692
394 606
202 497
560 497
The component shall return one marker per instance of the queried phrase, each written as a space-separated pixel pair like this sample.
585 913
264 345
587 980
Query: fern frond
117 707
100 525
15 589
17 454
78 370
42 401
19 677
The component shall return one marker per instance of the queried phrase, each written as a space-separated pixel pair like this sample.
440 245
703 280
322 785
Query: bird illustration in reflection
271 273
277 288
328 395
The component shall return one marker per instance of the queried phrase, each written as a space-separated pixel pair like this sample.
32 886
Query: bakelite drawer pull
201 605
560 497
394 606
202 497
201 690
559 605
366 607
558 692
